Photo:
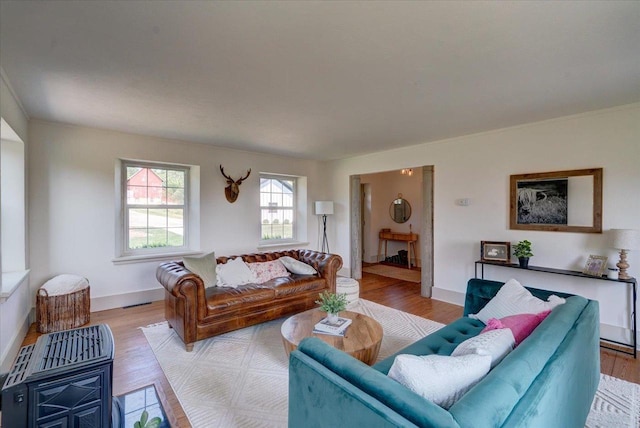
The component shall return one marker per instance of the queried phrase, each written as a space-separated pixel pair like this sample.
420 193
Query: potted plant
332 304
522 250
145 422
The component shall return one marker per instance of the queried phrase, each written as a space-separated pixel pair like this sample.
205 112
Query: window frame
293 208
125 251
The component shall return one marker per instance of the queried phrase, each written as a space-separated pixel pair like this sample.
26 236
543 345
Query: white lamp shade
625 239
324 207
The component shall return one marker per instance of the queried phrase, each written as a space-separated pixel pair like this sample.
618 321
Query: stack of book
335 328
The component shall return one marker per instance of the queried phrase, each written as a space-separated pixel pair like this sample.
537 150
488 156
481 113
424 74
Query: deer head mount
233 190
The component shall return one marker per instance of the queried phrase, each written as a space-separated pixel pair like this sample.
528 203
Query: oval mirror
400 210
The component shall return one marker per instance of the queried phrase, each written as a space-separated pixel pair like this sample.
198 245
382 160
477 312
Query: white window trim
267 243
191 222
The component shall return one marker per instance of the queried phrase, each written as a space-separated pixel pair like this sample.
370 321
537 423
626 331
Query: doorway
369 212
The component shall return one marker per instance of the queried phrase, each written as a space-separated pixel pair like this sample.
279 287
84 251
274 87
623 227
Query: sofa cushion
264 271
513 299
223 299
234 273
496 343
295 284
296 266
204 267
520 325
440 379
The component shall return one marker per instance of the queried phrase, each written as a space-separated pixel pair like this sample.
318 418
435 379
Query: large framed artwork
561 201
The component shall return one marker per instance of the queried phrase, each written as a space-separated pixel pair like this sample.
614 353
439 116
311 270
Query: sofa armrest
173 276
326 264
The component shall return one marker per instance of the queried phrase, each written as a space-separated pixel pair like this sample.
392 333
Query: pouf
348 286
63 303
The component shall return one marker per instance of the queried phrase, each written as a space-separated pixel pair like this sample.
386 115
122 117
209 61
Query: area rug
394 272
240 379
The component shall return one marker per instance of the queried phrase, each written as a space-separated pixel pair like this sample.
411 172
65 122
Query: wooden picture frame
558 201
595 265
495 251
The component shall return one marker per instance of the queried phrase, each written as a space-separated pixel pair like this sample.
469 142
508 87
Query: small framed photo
595 265
491 251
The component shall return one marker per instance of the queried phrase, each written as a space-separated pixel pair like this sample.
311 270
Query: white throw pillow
439 378
204 267
296 266
495 343
234 273
514 299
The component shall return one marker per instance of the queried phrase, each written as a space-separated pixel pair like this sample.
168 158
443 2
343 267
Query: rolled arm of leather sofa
174 276
326 264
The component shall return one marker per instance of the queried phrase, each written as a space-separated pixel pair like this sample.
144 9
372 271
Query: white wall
12 200
15 297
478 167
72 199
384 188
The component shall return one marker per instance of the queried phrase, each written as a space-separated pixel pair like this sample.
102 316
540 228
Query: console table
632 282
410 238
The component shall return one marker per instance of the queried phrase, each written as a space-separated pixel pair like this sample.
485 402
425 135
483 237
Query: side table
362 338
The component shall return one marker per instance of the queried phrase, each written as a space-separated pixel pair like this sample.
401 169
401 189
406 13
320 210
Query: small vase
524 262
332 317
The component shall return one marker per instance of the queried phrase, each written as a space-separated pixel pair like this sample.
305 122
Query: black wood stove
63 380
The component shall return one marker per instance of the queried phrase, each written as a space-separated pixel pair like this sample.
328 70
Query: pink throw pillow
521 325
265 271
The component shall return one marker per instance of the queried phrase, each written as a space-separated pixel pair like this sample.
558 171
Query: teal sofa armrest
550 379
330 388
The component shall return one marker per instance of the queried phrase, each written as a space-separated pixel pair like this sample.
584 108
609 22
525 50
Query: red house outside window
155 207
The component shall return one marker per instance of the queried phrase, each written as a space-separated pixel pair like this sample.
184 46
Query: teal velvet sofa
549 380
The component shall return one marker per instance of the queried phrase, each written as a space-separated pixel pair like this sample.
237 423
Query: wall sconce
407 171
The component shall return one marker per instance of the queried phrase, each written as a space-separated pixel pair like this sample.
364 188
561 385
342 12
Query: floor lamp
324 208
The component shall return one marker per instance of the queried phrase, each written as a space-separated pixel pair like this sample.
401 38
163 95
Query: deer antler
225 175
232 190
240 180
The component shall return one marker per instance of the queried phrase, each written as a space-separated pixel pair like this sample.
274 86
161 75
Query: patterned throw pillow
495 343
265 271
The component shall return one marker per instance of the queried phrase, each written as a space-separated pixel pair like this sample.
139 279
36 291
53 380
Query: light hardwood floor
135 365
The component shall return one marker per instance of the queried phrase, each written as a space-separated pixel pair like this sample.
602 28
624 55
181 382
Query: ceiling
317 80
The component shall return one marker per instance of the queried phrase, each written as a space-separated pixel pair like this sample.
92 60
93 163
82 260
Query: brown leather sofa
196 313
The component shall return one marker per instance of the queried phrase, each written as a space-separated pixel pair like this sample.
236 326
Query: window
155 201
277 207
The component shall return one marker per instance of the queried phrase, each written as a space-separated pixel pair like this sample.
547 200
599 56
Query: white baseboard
120 300
12 350
449 296
619 334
